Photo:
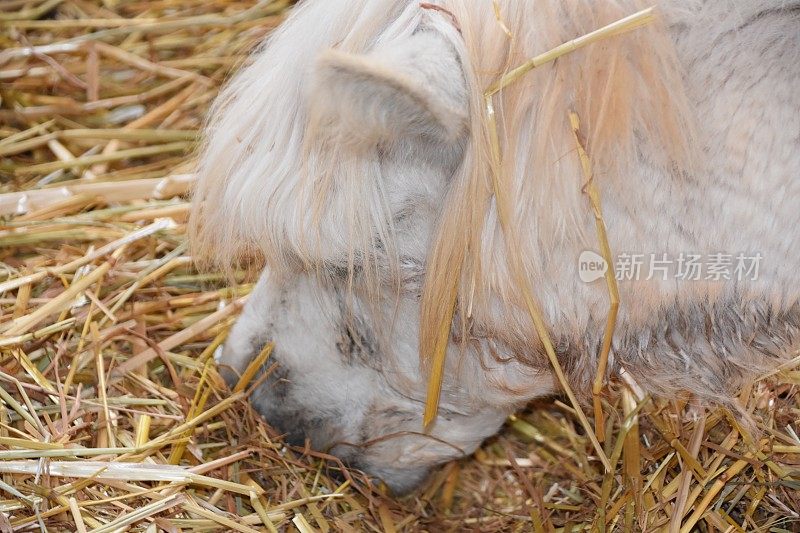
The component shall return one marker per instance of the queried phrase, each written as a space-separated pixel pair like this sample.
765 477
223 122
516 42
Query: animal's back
738 213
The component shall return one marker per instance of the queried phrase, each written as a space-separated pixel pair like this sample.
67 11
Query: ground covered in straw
112 414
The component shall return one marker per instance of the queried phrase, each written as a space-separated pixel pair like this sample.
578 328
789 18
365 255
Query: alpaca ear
414 86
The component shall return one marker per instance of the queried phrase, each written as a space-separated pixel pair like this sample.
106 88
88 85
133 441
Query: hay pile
112 414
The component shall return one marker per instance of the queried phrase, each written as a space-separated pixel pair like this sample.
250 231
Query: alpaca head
353 153
335 382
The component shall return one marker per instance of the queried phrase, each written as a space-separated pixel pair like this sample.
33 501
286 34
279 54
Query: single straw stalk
631 22
159 188
593 193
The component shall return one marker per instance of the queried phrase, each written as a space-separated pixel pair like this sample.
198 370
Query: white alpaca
351 158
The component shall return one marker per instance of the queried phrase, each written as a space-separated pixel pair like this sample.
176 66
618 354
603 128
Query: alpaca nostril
296 426
288 425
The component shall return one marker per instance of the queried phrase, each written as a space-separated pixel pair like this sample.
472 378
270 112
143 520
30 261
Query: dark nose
290 426
276 402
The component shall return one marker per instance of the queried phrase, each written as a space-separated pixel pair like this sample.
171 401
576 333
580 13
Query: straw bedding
112 414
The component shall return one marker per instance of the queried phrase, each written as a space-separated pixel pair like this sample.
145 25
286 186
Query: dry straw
113 416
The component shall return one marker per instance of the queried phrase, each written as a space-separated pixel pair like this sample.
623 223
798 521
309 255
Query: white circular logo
591 266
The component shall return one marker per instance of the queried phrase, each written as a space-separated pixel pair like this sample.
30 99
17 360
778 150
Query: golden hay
112 414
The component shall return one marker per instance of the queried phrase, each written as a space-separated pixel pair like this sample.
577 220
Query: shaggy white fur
351 158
